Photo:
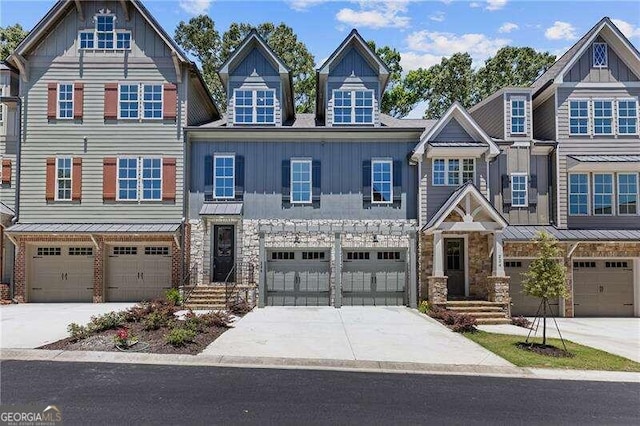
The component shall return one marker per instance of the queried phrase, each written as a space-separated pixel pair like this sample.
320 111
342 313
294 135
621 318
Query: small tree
546 277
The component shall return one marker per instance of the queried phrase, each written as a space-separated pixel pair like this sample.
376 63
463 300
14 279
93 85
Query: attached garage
374 278
137 272
60 274
298 278
521 304
603 288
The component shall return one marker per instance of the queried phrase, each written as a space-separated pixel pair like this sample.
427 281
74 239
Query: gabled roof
458 112
556 72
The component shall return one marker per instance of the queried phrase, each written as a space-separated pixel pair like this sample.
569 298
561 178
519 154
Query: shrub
194 323
173 296
156 319
216 319
140 311
78 332
521 322
239 307
108 321
180 337
424 307
136 313
464 323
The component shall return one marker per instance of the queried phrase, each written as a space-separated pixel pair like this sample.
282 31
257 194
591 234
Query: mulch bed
547 350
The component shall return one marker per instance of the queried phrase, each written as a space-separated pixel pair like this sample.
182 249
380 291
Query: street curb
315 364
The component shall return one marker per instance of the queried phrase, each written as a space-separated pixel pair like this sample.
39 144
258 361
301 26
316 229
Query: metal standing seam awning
94 228
527 233
221 209
591 163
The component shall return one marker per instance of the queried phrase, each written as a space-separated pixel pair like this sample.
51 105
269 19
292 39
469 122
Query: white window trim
306 161
353 106
446 171
613 194
593 116
589 113
73 88
606 56
387 161
120 117
618 194
139 186
141 179
524 108
254 105
526 189
93 33
56 196
141 101
473 179
94 30
617 118
233 176
588 195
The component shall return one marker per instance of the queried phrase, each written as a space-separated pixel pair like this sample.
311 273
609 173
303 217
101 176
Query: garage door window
282 255
388 255
584 264
80 251
124 251
49 251
616 264
357 255
512 264
311 255
156 251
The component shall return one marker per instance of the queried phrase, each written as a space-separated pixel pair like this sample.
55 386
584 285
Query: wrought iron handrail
189 282
241 272
228 291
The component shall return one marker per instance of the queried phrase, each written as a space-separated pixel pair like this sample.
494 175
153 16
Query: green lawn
585 358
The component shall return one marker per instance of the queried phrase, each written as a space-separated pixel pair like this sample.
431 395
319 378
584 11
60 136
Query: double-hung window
602 117
105 30
127 179
152 100
518 117
453 171
353 107
301 181
140 100
254 106
63 179
128 105
579 194
223 176
519 190
439 174
600 55
602 194
468 169
579 117
139 179
627 117
627 193
151 180
382 181
65 100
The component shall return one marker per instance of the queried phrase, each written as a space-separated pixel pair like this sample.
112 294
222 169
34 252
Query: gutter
278 129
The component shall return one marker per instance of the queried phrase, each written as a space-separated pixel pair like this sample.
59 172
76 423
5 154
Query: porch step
476 303
493 321
477 314
476 308
483 311
207 297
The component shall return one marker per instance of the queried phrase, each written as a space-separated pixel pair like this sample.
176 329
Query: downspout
185 199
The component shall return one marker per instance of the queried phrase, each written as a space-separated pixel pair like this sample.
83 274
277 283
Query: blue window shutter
208 177
286 181
533 190
316 180
239 177
366 180
397 181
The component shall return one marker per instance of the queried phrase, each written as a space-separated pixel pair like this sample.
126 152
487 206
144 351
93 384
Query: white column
498 255
438 254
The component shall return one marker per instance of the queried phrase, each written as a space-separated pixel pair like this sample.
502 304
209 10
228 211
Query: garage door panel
603 288
522 304
60 274
298 278
138 272
374 278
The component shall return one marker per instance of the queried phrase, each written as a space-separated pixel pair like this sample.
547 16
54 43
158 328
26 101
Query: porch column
437 280
413 282
337 247
498 255
262 277
438 255
498 283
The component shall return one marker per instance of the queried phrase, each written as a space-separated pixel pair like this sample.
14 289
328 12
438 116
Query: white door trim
465 237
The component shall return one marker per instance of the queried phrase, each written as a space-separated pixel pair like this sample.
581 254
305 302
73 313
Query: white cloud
374 14
561 31
438 17
412 60
195 7
507 27
629 30
301 5
474 4
496 4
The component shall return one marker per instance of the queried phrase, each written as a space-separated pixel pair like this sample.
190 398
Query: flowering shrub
521 322
459 323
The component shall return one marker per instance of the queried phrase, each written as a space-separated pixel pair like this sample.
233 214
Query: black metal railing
241 274
189 282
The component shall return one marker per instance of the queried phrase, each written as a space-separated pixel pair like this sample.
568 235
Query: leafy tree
546 276
397 100
449 81
10 37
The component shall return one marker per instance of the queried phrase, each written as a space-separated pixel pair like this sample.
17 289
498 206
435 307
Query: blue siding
254 60
353 62
453 132
341 178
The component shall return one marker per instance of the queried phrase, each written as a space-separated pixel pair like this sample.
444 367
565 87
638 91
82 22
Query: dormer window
353 107
600 55
518 117
254 106
104 35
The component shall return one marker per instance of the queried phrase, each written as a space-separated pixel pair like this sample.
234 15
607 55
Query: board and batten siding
508 97
615 71
353 83
453 132
341 177
8 138
491 117
352 63
544 120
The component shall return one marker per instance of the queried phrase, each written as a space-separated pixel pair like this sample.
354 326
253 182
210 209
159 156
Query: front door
454 266
223 249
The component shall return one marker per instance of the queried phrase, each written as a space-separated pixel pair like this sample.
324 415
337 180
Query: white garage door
298 278
60 274
521 304
138 273
374 278
603 288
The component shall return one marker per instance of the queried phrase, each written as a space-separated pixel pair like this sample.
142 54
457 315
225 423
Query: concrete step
458 303
205 307
484 314
206 300
492 321
476 309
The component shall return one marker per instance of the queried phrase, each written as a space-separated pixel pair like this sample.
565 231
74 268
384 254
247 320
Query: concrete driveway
31 325
394 334
620 336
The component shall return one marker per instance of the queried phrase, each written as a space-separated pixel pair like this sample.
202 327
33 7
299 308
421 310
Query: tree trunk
544 321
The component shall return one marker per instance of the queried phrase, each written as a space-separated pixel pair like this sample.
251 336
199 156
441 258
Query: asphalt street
97 393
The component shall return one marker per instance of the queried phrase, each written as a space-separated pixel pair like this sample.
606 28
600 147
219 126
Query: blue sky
423 31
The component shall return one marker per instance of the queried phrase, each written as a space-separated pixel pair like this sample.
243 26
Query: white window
353 107
519 190
152 100
579 194
468 170
139 178
63 179
382 181
87 39
104 35
600 55
602 117
518 116
224 176
602 194
65 100
301 181
579 117
439 174
254 106
128 104
123 40
453 171
105 30
627 193
627 116
137 100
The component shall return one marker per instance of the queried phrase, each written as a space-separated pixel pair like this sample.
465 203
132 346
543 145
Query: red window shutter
170 101
76 175
6 172
109 176
52 100
168 179
111 101
78 100
50 191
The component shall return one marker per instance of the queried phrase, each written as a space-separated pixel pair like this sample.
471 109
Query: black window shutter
316 180
366 180
208 177
286 181
397 181
533 189
506 191
239 177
